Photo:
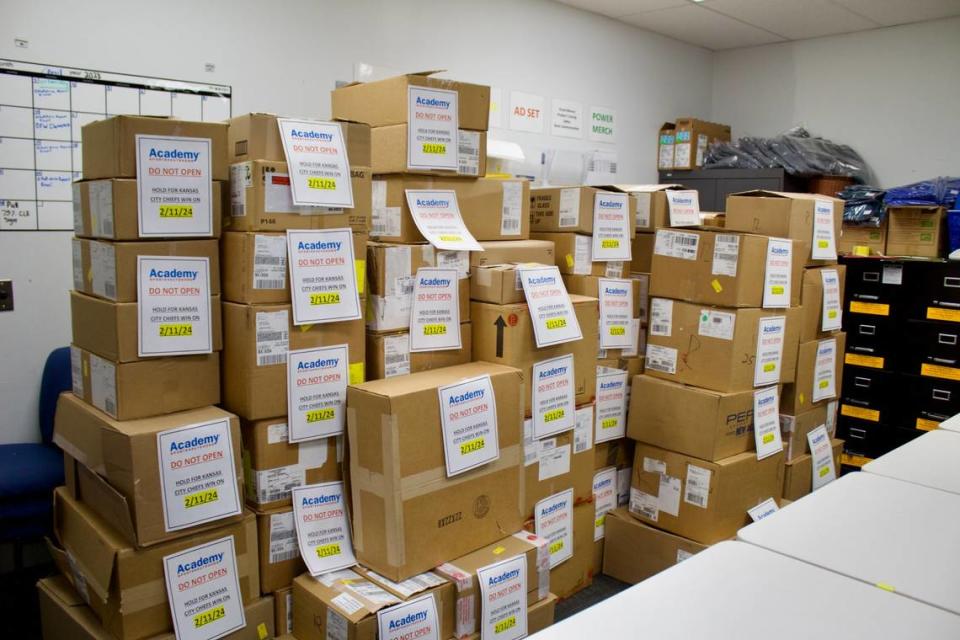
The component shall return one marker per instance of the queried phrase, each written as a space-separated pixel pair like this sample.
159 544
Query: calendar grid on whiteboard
40 133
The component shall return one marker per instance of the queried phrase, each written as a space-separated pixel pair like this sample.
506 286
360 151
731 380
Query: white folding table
951 424
739 591
932 460
901 536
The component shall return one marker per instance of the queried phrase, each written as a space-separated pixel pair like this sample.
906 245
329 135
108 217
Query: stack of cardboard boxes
154 486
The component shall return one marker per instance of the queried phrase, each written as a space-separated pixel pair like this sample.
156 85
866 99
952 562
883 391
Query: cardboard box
388 354
794 430
714 506
255 267
653 210
855 235
552 465
109 329
633 366
513 252
613 453
256 136
519 348
283 611
316 606
462 572
666 139
781 215
110 148
590 286
703 278
797 397
633 552
497 284
260 200
279 555
273 466
691 139
551 210
124 585
642 251
492 209
119 471
401 492
389 145
705 424
811 301
575 573
107 209
798 473
254 362
64 614
718 363
916 231
643 284
384 102
574 256
158 386
109 269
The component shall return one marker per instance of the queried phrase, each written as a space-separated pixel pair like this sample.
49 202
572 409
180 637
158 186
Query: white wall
285 57
892 94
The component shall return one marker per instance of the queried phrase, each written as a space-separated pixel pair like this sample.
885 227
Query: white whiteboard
42 110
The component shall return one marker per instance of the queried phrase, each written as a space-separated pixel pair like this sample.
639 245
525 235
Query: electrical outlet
21 43
6 295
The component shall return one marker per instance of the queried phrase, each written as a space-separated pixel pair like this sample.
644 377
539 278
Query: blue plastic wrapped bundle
941 191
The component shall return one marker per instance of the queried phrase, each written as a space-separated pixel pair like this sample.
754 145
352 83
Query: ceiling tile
891 12
702 27
791 19
620 8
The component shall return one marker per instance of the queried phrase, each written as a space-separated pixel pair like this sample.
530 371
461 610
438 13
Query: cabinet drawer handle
941 394
867 330
939 417
951 281
860 381
857 432
947 338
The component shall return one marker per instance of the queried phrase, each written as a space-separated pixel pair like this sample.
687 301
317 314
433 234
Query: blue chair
29 472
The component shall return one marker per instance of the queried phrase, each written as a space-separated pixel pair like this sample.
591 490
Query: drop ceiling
729 24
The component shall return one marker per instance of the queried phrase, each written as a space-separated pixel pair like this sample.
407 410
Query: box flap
643 188
426 73
109 503
766 193
59 589
90 544
403 385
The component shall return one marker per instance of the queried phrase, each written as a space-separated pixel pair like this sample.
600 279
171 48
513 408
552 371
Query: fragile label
604 499
770 337
726 255
660 358
684 208
616 313
174 184
831 315
503 599
323 277
173 306
554 320
553 396
766 422
269 262
415 618
435 314
554 521
824 469
676 244
611 227
323 531
317 162
661 317
437 216
777 277
824 371
432 129
317 392
468 417
824 243
611 406
717 324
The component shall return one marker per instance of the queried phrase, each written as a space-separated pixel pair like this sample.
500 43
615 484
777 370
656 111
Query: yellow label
832 313
824 471
853 461
802 397
770 366
940 371
861 250
618 331
434 148
360 266
716 285
434 329
822 244
86 368
262 633
331 297
451 238
874 362
610 243
556 323
886 587
324 184
319 415
608 423
358 373
556 546
570 262
506 624
206 617
767 439
176 330
870 308
776 289
860 412
471 446
200 498
927 425
950 315
556 414
599 521
176 211
327 550
499 550
824 384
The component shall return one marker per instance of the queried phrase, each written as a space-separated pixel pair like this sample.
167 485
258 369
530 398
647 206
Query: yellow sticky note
716 285
570 261
360 266
801 397
305 327
861 250
499 550
262 632
357 372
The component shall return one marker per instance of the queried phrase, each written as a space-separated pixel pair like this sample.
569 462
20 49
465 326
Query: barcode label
726 254
396 355
269 262
283 538
676 244
275 484
272 337
468 153
274 260
511 209
644 504
661 317
698 486
396 358
662 359
268 284
568 213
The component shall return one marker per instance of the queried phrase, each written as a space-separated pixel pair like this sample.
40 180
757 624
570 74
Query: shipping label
604 499
283 538
554 320
644 504
173 308
766 422
554 521
611 405
323 276
668 495
512 208
317 392
468 417
698 486
676 244
643 200
174 187
726 255
396 355
611 227
824 371
323 530
684 208
552 460
832 309
273 337
414 619
824 243
503 599
432 129
269 262
777 277
770 338
717 324
616 313
583 431
660 358
435 314
553 396
661 317
437 216
317 163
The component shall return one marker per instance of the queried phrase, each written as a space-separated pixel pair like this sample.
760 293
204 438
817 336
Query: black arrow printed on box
500 324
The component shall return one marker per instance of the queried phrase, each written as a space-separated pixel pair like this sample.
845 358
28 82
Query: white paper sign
435 315
173 306
526 112
554 320
832 308
766 508
503 599
323 531
766 422
203 588
567 120
616 313
437 216
553 518
824 371
468 418
611 406
604 499
413 619
323 277
553 397
603 124
824 243
317 392
684 208
770 337
433 121
824 470
174 184
198 476
777 277
317 163
611 227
